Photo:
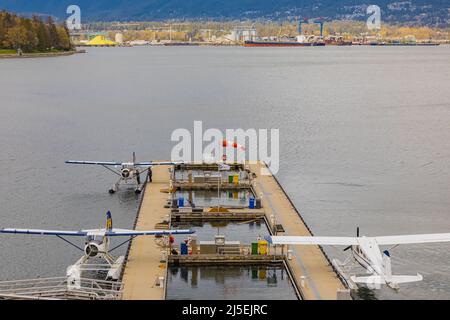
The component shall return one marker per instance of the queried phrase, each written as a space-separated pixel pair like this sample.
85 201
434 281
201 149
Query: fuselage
368 255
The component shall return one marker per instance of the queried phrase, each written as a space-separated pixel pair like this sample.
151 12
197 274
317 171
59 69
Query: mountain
417 12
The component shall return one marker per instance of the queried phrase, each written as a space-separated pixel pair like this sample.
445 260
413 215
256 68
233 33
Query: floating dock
311 269
145 270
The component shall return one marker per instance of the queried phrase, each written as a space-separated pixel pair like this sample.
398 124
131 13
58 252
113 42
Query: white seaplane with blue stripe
129 172
96 245
367 253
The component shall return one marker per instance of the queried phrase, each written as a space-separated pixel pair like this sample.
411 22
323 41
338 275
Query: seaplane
367 253
129 172
97 245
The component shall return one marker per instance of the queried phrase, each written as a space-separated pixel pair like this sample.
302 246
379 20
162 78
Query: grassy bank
6 53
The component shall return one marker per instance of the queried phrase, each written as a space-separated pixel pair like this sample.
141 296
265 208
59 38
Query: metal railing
59 288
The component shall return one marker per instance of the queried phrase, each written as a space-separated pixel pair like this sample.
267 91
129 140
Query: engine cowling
92 249
126 173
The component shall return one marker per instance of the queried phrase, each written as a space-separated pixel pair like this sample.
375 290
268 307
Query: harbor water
364 141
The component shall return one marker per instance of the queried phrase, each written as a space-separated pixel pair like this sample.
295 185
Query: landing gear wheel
137 191
111 191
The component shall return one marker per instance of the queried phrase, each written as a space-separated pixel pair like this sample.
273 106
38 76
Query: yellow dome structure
101 41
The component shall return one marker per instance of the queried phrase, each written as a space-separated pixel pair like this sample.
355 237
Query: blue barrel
251 203
183 248
180 202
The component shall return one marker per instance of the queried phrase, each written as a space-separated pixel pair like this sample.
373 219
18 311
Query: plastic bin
255 248
262 247
183 248
180 202
251 203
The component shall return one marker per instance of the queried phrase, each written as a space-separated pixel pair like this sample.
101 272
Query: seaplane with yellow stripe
97 245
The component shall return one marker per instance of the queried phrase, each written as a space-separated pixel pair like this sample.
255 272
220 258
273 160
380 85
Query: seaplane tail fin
387 263
109 224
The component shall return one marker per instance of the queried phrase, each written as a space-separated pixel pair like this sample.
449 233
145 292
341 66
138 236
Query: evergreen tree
32 34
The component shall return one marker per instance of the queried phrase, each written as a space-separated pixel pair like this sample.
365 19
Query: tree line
33 34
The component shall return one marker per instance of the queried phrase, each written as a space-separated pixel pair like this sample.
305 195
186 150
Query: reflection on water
225 282
365 293
208 198
244 232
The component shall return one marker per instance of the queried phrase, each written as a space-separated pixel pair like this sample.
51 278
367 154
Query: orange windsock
235 145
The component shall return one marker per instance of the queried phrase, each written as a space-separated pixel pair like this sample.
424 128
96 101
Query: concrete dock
308 263
143 267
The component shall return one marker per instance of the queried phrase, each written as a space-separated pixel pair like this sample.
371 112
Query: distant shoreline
41 54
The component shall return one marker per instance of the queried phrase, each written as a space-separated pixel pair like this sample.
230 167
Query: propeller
357 235
134 157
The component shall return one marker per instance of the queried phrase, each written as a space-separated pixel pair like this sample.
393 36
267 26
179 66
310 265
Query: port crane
96 245
129 172
367 253
318 21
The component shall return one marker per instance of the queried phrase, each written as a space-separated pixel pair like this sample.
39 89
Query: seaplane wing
333 241
125 232
80 233
156 163
96 232
411 239
112 163
98 163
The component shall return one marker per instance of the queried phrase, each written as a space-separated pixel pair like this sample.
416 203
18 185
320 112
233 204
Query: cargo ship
298 41
263 43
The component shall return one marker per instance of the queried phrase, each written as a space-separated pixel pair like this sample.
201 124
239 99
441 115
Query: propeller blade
357 231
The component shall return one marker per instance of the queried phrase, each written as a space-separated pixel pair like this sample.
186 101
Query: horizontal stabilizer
387 280
405 279
368 280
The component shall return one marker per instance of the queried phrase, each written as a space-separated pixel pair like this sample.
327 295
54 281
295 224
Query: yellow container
262 247
262 274
236 179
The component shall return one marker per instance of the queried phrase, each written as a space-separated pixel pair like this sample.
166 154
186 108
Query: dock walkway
309 262
143 267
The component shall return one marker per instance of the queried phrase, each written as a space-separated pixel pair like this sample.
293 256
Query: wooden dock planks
320 281
143 266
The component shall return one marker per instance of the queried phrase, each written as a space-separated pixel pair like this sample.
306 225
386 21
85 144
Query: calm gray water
231 283
365 139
